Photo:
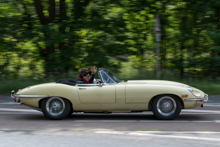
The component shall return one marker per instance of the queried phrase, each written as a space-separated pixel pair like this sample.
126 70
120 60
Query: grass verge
209 86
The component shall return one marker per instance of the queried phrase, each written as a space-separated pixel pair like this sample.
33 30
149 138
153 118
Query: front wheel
166 107
55 108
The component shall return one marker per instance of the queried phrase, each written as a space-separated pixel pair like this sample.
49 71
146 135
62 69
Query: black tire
61 108
166 107
71 112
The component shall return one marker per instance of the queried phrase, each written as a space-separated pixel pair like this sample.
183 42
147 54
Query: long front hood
156 82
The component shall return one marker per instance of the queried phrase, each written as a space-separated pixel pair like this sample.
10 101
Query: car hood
156 82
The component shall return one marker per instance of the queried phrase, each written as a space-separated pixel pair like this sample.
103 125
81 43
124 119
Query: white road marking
146 121
176 132
163 134
110 132
196 113
184 111
9 110
217 121
166 121
211 104
15 110
19 113
9 103
202 121
107 121
208 111
172 136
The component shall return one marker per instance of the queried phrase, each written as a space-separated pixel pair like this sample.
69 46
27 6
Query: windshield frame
107 72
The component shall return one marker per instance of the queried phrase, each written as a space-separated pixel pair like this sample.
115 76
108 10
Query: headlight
190 89
194 92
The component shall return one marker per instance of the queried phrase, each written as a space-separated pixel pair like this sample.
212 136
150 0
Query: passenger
86 77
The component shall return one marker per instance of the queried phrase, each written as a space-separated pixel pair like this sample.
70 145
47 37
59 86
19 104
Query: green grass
207 85
7 85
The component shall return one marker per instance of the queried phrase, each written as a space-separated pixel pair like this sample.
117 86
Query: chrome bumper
205 99
13 95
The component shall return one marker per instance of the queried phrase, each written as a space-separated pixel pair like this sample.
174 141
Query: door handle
82 88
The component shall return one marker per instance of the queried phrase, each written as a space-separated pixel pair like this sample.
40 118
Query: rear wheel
166 107
55 108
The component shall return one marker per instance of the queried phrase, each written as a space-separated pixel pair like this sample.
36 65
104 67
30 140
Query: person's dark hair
84 72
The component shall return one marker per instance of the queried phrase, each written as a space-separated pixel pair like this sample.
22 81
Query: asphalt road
25 126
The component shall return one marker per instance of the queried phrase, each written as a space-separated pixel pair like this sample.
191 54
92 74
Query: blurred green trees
58 36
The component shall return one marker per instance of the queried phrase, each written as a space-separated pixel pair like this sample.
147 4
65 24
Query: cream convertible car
164 98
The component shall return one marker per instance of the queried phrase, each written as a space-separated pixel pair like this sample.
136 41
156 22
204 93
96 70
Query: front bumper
205 99
13 95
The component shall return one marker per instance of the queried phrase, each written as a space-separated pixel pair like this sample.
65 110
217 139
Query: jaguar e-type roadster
109 94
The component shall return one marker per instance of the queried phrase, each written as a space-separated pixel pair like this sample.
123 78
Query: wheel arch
151 100
39 103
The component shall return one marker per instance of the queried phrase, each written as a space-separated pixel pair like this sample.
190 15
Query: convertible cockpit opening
105 78
68 81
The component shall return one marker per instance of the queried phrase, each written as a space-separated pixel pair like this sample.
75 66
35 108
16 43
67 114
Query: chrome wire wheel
55 106
166 106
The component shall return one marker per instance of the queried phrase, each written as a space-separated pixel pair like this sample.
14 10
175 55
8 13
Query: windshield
106 78
112 76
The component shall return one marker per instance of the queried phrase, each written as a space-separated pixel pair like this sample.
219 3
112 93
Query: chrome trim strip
22 95
205 99
88 84
196 99
17 96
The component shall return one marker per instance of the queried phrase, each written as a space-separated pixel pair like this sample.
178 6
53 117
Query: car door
93 93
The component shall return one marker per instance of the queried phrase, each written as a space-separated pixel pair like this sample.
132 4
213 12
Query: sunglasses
88 75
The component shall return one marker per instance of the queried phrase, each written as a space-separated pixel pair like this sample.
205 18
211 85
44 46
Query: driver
86 77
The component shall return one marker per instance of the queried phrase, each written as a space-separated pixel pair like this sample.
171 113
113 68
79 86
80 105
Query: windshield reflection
112 76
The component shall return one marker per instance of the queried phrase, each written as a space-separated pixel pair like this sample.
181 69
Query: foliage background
44 40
